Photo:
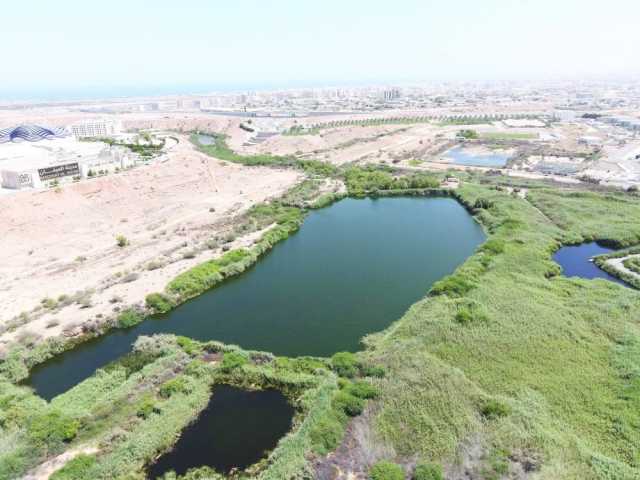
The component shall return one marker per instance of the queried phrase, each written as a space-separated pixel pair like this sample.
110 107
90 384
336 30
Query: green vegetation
632 264
508 136
372 122
150 395
121 241
386 471
145 150
463 121
519 376
371 180
468 134
300 130
129 318
159 303
428 471
75 469
220 149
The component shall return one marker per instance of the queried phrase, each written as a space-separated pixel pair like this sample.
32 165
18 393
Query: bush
146 407
428 471
121 241
372 371
362 390
326 435
175 385
467 314
130 277
495 409
494 246
468 134
188 345
345 364
454 285
464 316
75 469
347 403
386 471
129 318
232 360
52 428
159 303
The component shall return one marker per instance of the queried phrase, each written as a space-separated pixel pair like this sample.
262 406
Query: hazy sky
282 43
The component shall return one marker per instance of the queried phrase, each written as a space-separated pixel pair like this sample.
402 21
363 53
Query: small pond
352 269
462 156
236 429
575 261
206 139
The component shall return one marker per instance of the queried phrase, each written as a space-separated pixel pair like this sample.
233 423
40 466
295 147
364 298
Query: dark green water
352 269
235 430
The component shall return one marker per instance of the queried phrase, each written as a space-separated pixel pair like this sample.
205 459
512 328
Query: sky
206 45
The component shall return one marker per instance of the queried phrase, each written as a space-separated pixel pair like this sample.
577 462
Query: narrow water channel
236 429
353 268
575 261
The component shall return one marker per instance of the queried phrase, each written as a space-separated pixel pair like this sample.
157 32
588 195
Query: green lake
352 269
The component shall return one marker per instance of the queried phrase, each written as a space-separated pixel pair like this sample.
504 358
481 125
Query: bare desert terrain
61 242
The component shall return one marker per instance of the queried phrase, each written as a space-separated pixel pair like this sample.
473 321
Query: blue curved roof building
30 133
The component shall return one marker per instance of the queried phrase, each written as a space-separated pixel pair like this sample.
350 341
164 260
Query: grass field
560 356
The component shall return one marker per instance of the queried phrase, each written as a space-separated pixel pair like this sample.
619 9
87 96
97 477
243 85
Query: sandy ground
58 242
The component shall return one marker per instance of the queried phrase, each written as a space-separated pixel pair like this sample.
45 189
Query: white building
95 129
49 162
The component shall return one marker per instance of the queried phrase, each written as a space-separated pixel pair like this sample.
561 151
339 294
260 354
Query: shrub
129 318
159 303
146 407
464 316
345 364
52 428
493 246
468 134
121 241
428 471
175 385
453 285
362 390
483 203
347 403
326 435
75 469
130 277
372 371
386 471
189 346
467 314
154 265
232 360
495 409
